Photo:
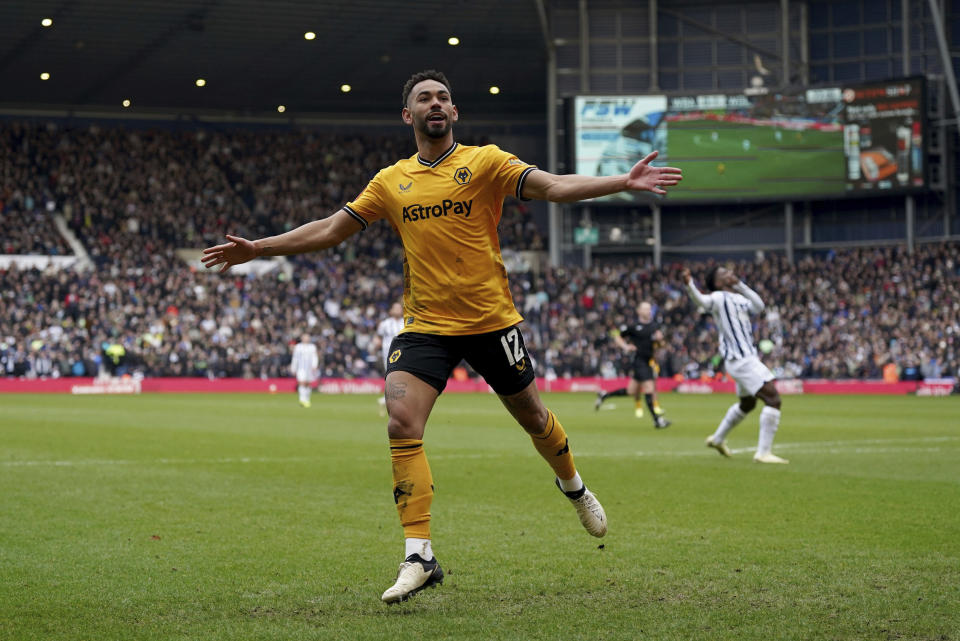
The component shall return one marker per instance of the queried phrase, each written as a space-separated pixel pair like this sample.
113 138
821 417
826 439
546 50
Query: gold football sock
412 486
553 447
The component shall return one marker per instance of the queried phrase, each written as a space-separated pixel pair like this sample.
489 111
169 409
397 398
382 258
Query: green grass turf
801 162
248 517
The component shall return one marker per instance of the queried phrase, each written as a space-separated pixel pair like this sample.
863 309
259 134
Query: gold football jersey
446 212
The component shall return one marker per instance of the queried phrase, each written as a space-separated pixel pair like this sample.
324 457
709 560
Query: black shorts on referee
500 357
645 370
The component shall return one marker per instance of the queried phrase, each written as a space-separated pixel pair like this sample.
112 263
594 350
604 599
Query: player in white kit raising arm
304 365
731 303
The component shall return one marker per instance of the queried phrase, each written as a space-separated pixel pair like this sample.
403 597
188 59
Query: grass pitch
248 517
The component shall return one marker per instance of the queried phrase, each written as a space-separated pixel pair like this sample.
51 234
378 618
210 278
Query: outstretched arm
699 298
622 344
568 188
313 236
756 303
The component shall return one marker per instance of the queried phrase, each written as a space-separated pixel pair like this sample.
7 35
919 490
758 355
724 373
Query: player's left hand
644 177
237 251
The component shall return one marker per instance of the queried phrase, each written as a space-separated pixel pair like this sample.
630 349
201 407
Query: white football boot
414 575
719 446
592 516
769 458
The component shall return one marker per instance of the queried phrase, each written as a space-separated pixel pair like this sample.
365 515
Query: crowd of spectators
842 315
26 198
127 193
134 196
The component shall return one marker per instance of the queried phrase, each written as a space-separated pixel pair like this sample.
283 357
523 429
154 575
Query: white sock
418 546
304 393
571 485
769 422
730 421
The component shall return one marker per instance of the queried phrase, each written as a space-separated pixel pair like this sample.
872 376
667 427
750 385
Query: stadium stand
26 220
135 196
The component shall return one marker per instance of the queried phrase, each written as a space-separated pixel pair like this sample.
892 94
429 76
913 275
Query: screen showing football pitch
814 143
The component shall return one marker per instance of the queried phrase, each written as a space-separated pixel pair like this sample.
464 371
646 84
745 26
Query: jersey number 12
511 345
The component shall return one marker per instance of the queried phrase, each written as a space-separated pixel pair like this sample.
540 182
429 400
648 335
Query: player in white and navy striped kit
387 330
304 365
731 303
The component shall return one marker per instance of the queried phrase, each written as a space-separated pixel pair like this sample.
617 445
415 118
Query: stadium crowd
132 197
26 199
843 314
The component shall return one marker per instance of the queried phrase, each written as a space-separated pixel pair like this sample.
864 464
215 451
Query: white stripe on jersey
387 330
731 312
304 357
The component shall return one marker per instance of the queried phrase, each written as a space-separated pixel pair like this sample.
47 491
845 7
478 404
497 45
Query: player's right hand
237 251
685 276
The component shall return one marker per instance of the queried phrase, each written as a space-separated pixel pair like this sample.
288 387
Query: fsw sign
606 107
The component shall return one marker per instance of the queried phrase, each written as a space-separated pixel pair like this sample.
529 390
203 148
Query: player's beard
434 131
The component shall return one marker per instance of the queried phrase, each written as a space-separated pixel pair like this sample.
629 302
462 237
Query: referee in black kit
643 338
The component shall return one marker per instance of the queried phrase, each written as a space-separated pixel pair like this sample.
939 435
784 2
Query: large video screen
815 143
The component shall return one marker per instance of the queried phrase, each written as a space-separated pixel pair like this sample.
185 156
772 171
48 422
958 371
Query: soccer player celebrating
445 203
643 338
730 302
303 365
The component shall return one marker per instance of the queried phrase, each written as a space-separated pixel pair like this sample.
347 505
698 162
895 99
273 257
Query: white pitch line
161 461
875 441
865 446
750 450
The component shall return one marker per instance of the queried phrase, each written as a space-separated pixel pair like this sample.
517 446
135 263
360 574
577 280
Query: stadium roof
254 56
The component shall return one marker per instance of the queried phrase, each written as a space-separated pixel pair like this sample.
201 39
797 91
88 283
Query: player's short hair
420 76
711 280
